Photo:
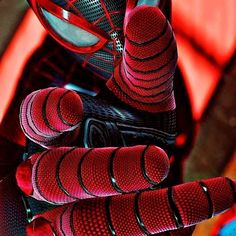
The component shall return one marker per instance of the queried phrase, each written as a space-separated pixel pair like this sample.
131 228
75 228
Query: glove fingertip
24 176
144 23
156 164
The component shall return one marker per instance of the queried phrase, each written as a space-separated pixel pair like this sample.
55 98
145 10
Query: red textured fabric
62 223
44 177
36 114
122 212
144 79
26 122
129 167
191 202
137 214
155 211
218 187
47 113
96 176
193 211
90 172
89 218
69 164
156 163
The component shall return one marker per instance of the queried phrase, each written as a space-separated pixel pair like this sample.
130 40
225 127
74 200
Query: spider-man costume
133 48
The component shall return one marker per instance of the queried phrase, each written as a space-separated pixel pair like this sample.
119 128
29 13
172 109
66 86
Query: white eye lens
69 32
148 2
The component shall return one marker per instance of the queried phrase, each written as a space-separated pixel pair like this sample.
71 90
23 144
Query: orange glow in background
27 38
206 39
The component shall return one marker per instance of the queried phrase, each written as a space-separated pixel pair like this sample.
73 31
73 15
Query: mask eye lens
69 32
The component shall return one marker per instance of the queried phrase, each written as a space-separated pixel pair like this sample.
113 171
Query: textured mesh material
101 64
191 202
144 79
138 15
147 81
45 223
104 24
90 172
92 10
69 107
155 211
128 167
52 214
69 164
114 6
122 212
62 223
45 168
95 172
53 102
102 55
37 116
12 211
89 218
156 164
48 112
150 62
221 194
26 122
132 214
154 94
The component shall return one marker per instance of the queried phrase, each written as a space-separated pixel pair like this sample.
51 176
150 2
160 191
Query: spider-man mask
93 29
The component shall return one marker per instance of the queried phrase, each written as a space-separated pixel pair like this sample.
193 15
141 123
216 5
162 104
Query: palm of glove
109 179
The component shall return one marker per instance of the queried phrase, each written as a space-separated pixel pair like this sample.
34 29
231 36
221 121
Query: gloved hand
108 179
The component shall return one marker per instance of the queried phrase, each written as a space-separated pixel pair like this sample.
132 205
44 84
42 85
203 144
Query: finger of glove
63 175
149 212
144 79
47 114
56 117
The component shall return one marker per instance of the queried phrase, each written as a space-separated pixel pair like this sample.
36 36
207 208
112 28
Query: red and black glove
68 174
116 190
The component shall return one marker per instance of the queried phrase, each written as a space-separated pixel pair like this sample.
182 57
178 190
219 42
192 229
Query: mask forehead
107 15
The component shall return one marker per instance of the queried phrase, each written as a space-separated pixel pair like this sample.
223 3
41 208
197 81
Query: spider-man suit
129 44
